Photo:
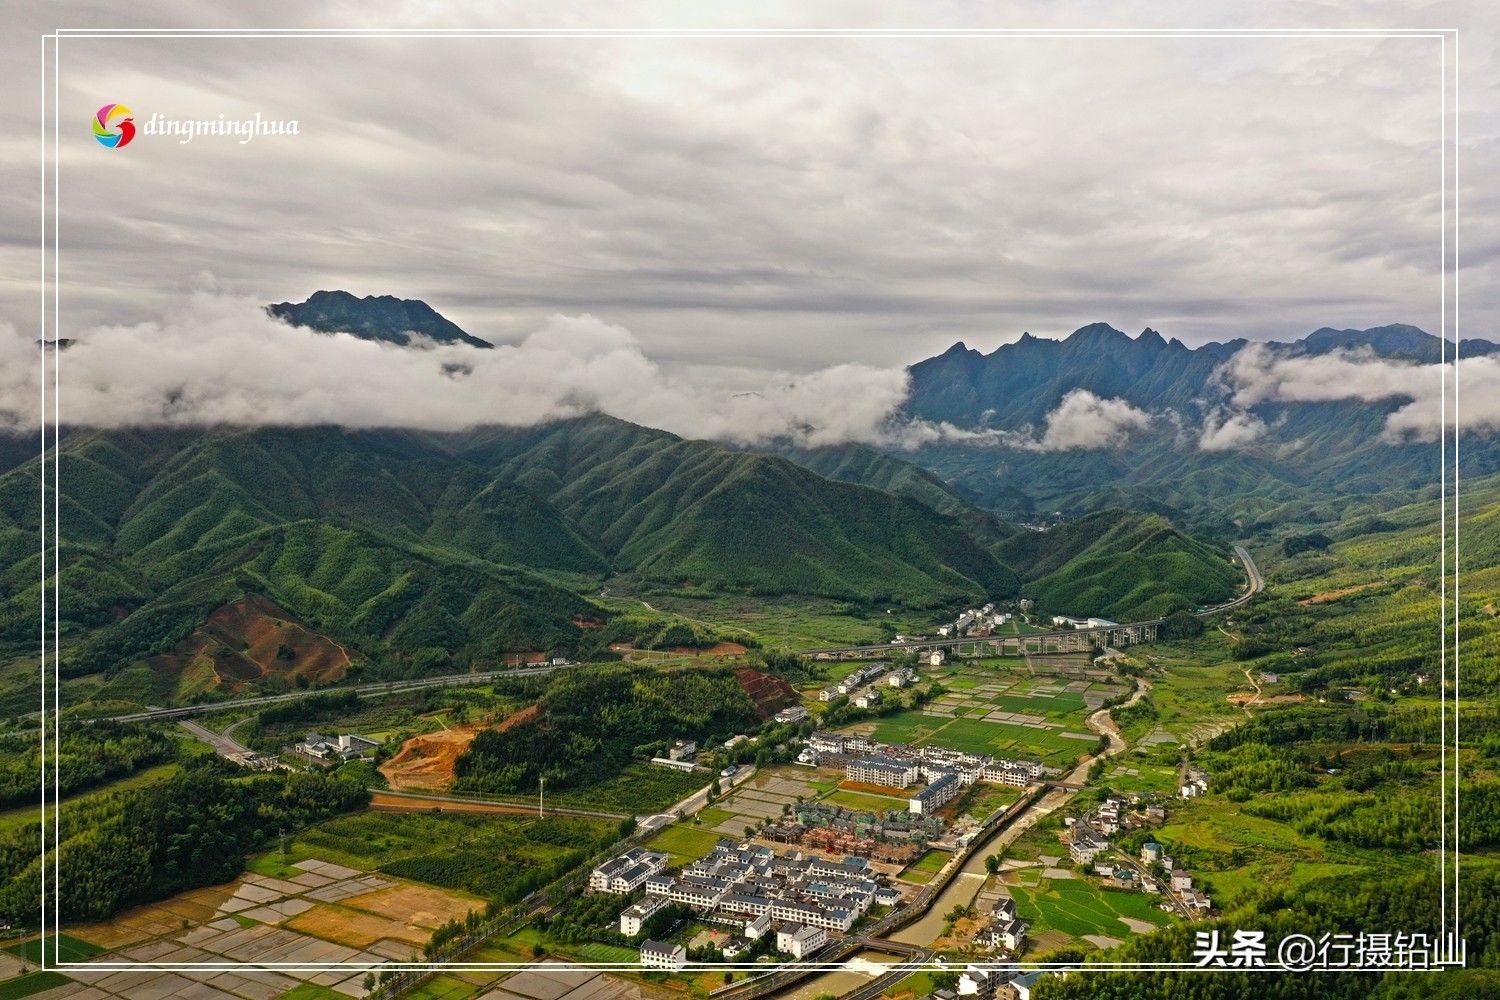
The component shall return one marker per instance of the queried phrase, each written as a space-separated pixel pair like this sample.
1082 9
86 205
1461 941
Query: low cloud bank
1258 375
222 360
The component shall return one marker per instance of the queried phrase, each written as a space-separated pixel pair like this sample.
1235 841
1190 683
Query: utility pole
541 801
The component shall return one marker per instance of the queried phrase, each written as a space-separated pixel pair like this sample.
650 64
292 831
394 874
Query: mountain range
217 552
1307 456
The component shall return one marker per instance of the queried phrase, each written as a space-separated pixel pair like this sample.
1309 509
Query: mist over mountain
1233 431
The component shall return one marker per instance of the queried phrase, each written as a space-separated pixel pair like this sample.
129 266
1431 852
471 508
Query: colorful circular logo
113 126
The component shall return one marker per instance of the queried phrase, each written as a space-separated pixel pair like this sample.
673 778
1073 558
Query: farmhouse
887 771
800 941
1009 934
1085 842
626 872
736 883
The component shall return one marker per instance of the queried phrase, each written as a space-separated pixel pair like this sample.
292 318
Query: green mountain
161 529
696 514
203 560
866 466
1119 564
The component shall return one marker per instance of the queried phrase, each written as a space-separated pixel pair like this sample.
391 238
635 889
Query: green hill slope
418 551
693 513
1118 564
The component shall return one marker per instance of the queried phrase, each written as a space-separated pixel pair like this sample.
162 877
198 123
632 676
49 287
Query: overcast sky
753 205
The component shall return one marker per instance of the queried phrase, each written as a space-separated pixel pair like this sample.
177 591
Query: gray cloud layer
755 205
222 360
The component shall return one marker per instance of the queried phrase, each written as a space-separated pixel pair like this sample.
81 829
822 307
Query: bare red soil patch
1333 595
770 693
1245 697
425 763
252 639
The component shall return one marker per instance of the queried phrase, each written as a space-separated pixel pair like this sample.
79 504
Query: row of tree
191 830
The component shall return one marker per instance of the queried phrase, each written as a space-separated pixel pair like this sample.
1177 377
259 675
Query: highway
1256 584
363 690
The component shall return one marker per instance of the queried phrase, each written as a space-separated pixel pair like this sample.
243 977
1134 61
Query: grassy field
489 856
312 991
977 689
31 984
1146 776
864 801
444 987
983 799
684 843
925 868
1003 739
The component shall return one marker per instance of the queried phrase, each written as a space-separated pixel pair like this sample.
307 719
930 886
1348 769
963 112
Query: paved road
224 744
889 979
363 690
1256 584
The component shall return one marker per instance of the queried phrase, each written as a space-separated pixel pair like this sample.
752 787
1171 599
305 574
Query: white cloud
1257 375
222 360
1084 420
777 203
1228 430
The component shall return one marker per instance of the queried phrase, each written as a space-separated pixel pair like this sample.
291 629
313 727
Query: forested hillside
191 830
1121 565
587 727
200 562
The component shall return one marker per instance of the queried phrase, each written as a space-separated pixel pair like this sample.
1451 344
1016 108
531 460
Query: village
811 867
